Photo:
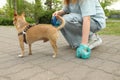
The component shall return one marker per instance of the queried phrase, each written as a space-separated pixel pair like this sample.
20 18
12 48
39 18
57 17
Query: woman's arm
60 12
85 30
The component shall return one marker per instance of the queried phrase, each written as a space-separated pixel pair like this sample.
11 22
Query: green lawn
112 28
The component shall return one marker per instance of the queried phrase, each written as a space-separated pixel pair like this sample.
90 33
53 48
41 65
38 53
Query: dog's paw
21 56
54 56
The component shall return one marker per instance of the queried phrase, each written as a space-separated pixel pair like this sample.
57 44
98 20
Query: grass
113 19
112 28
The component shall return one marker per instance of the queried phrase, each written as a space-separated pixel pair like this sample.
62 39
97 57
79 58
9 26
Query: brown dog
30 34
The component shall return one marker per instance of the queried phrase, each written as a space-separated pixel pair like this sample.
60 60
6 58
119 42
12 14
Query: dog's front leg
30 51
21 46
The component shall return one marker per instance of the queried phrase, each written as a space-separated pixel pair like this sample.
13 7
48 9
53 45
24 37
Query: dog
30 34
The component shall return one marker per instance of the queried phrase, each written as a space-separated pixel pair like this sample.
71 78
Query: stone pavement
104 63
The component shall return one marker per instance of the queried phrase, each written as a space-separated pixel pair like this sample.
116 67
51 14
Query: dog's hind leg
53 43
30 51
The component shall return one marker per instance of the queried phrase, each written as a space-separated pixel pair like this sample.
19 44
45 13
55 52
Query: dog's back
45 31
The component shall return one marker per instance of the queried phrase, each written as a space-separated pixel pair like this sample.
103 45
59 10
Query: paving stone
4 55
4 78
78 73
115 58
104 63
64 67
117 72
117 78
26 73
105 55
68 55
44 76
16 68
51 63
41 60
99 75
62 78
10 63
109 66
94 62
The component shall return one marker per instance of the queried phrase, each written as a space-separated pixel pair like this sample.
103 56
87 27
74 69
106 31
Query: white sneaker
94 41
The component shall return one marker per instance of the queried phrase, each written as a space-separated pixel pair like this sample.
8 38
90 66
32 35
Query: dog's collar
25 30
24 33
21 33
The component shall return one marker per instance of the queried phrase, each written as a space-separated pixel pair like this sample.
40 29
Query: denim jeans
73 29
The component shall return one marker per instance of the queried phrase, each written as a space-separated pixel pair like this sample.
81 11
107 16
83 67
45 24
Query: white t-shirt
90 8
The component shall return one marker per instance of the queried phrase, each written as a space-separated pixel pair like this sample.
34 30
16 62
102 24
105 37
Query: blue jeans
73 29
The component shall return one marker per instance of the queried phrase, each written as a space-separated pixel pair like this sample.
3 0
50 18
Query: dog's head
18 19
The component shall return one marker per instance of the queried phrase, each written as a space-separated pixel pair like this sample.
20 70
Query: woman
83 19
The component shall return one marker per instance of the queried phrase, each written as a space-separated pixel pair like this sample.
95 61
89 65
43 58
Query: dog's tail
62 22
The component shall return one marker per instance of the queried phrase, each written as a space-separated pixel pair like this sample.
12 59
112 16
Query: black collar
25 30
24 33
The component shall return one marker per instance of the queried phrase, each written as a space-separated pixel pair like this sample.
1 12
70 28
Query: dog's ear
15 13
23 14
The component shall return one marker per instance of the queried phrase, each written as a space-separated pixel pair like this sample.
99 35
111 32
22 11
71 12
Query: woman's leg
72 34
94 27
72 30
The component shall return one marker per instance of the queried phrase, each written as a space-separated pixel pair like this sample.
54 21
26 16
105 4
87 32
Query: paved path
104 63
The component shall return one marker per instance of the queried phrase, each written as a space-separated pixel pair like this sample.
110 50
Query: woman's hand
61 12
